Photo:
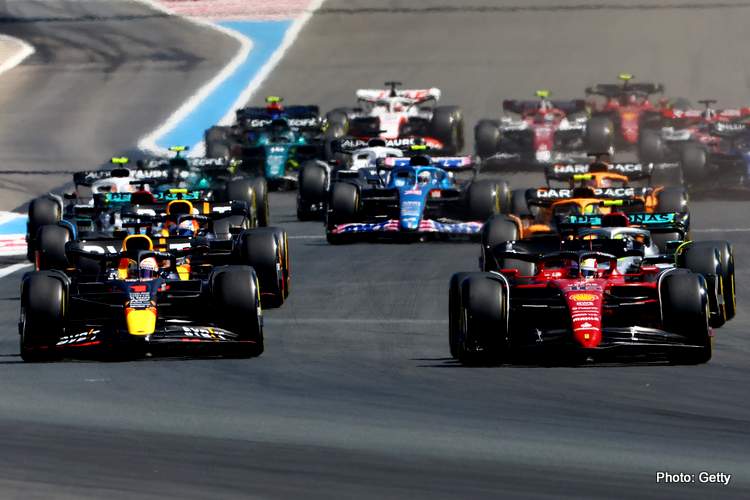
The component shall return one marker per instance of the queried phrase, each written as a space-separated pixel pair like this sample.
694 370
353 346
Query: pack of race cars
174 254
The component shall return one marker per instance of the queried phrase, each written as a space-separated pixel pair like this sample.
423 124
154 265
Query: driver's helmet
589 268
397 107
603 183
148 268
629 99
709 114
187 228
545 105
424 177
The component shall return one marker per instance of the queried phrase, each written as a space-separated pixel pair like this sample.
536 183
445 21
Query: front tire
262 250
236 295
599 134
43 305
486 138
483 336
685 311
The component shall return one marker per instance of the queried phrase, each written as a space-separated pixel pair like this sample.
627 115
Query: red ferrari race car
623 108
577 305
667 137
535 132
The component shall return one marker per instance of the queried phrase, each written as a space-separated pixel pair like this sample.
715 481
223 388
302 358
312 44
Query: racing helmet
148 268
708 113
187 227
424 177
589 268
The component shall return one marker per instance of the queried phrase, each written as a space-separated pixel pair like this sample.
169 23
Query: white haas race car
354 158
405 116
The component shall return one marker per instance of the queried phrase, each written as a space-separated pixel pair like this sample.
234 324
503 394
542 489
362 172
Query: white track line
24 51
148 143
307 237
719 230
5 271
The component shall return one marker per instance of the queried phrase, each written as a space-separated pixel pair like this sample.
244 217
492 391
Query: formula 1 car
228 227
578 306
626 108
412 198
271 142
134 302
666 137
663 239
535 132
352 159
596 188
405 115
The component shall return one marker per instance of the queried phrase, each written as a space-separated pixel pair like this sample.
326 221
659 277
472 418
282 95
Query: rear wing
88 177
348 144
568 171
527 106
191 163
416 95
448 163
548 195
611 90
297 117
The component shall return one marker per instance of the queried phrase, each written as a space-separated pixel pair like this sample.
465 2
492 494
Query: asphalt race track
355 396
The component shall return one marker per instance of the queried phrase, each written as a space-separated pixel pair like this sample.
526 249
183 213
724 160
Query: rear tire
650 146
686 312
672 199
705 260
43 305
447 126
236 295
261 250
313 179
726 258
485 199
486 138
216 142
600 135
693 161
42 211
51 242
519 203
262 210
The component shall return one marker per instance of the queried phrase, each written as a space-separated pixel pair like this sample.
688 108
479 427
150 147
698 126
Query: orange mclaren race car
590 189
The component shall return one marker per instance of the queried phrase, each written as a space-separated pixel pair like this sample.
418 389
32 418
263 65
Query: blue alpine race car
414 197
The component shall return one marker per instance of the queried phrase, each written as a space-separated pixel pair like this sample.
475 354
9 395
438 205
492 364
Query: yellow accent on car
178 191
582 177
178 149
140 321
543 93
613 203
119 160
183 271
418 147
625 77
272 99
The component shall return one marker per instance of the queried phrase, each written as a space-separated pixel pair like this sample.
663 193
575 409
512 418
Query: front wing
428 226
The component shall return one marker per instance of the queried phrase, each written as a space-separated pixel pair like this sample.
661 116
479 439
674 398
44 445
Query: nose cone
586 316
141 321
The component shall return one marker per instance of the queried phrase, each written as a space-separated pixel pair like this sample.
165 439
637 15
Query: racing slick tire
600 133
486 198
693 159
338 117
236 294
42 211
685 311
262 210
454 300
496 231
264 251
650 146
518 203
43 304
672 199
662 239
242 190
216 142
726 258
343 207
447 126
313 179
50 241
482 336
486 138
706 261
222 228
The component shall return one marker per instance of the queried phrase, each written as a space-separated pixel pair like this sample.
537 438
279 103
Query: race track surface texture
355 396
104 74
